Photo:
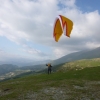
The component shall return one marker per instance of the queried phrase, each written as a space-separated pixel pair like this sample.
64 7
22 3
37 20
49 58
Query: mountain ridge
87 54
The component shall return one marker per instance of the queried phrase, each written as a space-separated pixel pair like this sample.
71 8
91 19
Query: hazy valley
10 70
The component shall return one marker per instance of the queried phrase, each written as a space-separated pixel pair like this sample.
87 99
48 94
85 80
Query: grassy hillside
71 85
80 64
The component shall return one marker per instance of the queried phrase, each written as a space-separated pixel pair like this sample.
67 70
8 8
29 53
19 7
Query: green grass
80 64
21 86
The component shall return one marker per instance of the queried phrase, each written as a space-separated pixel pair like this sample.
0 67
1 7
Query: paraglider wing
62 25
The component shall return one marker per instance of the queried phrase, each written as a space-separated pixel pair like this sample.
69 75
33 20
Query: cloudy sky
26 28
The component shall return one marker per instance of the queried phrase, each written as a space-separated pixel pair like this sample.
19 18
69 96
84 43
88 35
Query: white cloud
34 52
68 3
92 45
59 52
32 20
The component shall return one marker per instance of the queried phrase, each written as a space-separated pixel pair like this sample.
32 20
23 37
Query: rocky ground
84 90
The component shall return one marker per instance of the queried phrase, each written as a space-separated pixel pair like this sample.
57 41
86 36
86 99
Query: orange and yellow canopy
62 25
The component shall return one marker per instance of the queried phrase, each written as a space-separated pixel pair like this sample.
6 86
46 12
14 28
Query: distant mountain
6 68
34 67
8 71
87 54
23 62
